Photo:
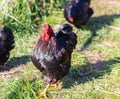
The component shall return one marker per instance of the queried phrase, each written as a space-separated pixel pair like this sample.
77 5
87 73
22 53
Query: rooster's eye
69 30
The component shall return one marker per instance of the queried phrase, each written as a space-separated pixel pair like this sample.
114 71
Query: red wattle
71 19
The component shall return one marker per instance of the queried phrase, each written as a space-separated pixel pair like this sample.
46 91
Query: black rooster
78 12
6 44
52 53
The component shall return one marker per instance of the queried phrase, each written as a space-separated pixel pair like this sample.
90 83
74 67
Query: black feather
79 10
53 57
6 44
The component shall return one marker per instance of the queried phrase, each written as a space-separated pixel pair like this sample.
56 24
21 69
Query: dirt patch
15 64
12 70
77 48
98 63
95 60
110 43
93 57
105 6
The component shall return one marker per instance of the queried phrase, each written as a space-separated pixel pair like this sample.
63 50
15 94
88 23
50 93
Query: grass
95 70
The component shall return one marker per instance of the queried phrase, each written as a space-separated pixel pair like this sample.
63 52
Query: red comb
48 28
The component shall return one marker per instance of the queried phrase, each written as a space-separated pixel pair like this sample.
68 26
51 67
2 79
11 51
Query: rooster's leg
43 94
54 85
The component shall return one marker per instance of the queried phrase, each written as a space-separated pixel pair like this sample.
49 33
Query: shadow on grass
96 23
15 62
83 74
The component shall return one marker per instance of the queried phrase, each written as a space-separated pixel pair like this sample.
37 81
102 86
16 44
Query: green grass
95 72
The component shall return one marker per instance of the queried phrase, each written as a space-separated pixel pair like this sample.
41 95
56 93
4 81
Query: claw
54 85
43 94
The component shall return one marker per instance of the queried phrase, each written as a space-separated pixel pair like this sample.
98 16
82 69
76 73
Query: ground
95 70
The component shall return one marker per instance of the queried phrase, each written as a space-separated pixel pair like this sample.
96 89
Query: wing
49 56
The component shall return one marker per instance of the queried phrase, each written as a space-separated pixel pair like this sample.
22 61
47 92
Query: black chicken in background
6 44
78 12
52 54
